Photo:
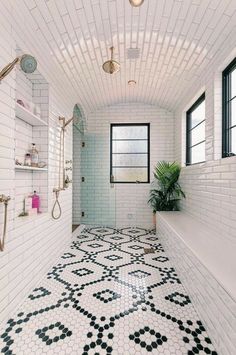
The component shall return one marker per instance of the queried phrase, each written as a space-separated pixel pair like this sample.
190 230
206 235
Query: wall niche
31 126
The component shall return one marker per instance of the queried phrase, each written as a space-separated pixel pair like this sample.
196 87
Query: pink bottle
36 201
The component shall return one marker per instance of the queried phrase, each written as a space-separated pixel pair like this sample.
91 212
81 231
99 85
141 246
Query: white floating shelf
29 168
28 117
19 221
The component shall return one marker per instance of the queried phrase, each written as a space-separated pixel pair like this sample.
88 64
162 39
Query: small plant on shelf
166 191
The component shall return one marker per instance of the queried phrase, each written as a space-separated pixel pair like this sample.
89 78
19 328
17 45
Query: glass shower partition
98 195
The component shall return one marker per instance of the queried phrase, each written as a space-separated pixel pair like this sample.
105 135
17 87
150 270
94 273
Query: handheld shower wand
27 63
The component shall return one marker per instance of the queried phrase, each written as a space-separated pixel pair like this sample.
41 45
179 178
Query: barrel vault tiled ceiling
71 39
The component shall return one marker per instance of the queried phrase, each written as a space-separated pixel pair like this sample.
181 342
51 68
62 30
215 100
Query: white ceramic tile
105 295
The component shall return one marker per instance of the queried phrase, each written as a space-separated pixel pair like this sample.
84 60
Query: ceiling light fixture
132 82
136 3
111 66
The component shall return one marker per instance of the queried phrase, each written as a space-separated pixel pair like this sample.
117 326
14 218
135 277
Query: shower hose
61 167
56 203
2 242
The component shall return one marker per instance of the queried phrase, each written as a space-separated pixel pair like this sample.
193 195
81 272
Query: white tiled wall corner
215 306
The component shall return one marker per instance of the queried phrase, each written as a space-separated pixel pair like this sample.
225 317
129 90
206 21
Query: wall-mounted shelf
29 168
28 117
19 221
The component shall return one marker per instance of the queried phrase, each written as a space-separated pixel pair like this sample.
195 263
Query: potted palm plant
166 191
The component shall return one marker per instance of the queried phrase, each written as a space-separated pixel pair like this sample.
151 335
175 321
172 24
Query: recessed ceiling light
132 82
136 3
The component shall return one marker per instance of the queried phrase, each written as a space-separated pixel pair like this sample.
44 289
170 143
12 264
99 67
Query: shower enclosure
94 198
98 201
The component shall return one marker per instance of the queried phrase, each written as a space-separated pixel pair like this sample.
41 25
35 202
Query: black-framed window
195 142
130 153
229 110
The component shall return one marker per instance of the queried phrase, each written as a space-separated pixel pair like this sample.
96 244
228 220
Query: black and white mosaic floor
106 296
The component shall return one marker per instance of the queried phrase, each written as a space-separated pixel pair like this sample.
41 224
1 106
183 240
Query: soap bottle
27 161
36 201
34 156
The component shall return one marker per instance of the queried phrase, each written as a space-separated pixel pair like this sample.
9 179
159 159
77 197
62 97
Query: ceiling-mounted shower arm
112 52
111 66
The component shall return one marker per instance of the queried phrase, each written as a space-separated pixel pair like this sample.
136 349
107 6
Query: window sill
200 162
130 182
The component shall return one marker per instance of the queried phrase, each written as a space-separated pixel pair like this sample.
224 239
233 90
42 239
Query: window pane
198 153
130 132
130 146
233 112
198 114
130 175
233 140
198 134
233 83
130 160
130 149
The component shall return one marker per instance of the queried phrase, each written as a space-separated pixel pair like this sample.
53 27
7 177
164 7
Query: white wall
210 187
31 246
129 201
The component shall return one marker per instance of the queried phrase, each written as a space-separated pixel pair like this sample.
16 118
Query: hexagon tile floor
106 296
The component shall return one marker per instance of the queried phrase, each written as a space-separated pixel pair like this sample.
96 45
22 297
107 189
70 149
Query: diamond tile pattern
85 305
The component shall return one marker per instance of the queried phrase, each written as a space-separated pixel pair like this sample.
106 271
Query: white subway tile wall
31 247
210 187
211 194
184 48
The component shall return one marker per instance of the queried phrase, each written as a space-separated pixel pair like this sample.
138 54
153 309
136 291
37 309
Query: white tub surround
207 264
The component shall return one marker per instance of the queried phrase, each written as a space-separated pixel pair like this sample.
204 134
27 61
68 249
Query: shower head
111 66
136 3
77 116
27 63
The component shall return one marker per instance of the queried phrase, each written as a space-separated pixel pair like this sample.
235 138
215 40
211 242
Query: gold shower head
27 63
136 3
111 66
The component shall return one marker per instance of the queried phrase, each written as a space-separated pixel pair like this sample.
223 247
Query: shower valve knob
4 198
